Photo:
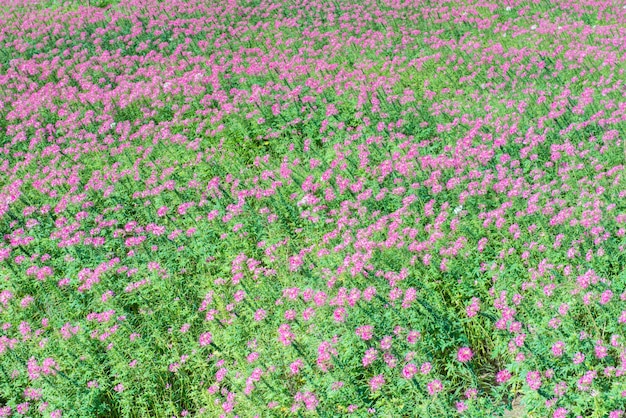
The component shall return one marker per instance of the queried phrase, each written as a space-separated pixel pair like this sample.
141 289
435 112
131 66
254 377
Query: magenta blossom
205 339
534 380
503 376
434 387
464 354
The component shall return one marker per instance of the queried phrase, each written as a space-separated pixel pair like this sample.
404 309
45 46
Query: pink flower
464 354
295 366
578 358
377 382
560 413
365 332
461 407
606 297
557 348
260 314
471 393
27 300
390 360
409 371
534 380
325 351
309 399
413 337
586 380
285 336
308 313
601 351
33 394
290 314
22 408
370 356
369 293
434 387
560 389
205 339
220 374
339 315
473 308
503 376
336 385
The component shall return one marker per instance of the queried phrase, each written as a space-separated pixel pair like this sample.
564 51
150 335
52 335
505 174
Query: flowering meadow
312 208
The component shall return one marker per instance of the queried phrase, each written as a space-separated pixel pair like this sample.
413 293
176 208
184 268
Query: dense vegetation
312 208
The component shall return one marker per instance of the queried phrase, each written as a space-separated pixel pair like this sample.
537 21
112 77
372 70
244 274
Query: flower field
312 208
